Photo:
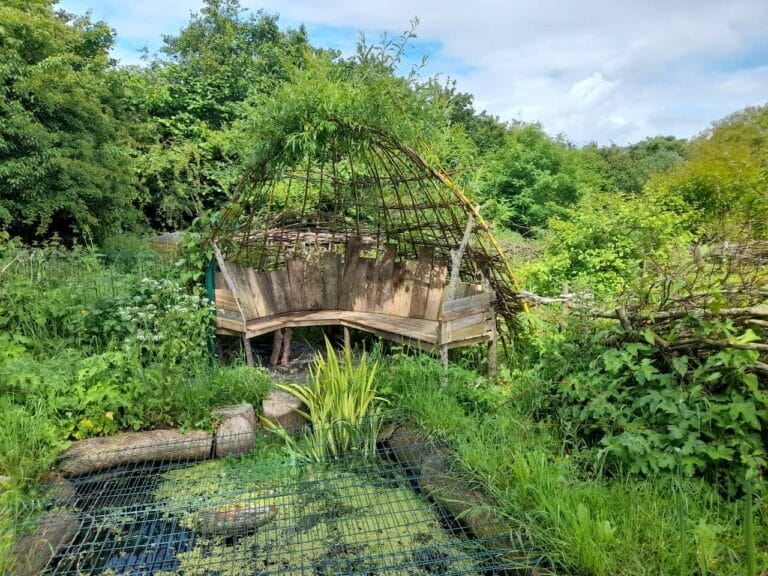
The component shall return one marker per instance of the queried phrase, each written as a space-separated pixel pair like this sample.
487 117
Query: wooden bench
404 301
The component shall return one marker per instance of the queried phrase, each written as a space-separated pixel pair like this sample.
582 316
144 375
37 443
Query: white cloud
604 70
591 90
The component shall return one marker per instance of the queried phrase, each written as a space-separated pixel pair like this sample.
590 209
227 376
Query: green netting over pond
267 513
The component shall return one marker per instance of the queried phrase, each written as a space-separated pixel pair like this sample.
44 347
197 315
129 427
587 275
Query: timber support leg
248 351
493 352
444 360
493 358
347 339
277 346
285 356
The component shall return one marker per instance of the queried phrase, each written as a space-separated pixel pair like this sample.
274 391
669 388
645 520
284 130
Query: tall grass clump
556 499
342 406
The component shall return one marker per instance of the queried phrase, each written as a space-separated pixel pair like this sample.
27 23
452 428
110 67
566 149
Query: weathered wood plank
330 263
452 309
254 289
468 327
349 275
238 276
226 300
264 284
384 279
280 290
232 324
421 278
436 292
297 299
469 341
403 288
472 331
313 283
470 319
359 290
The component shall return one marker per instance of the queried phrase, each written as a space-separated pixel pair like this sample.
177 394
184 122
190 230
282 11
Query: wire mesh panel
270 512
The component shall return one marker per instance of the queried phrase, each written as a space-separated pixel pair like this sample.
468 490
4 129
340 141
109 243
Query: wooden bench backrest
326 281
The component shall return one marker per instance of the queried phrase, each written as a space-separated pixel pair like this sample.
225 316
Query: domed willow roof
358 181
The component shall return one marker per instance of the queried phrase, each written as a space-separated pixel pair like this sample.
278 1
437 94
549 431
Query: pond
266 513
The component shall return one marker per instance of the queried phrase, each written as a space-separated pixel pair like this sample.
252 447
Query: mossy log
134 447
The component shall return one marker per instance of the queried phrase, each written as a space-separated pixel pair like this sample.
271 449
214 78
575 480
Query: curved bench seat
405 301
426 331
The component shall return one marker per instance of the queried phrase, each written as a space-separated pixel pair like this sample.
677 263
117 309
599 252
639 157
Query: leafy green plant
641 409
342 405
555 501
29 441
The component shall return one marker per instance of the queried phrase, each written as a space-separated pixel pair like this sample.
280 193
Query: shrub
343 407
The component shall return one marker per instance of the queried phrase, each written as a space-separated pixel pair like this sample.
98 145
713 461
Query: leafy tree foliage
725 180
64 164
486 131
190 95
532 178
628 168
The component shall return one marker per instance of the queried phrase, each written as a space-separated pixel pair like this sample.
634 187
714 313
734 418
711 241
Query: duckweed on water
329 521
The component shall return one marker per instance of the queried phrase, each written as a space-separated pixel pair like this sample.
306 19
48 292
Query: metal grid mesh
266 513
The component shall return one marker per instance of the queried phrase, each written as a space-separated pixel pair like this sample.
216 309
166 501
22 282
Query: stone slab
54 531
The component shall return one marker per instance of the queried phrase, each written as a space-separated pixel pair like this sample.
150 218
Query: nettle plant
165 323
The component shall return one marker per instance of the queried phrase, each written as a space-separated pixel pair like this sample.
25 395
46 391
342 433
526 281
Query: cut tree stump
236 431
282 409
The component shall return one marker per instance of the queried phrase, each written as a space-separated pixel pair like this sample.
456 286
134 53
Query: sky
592 70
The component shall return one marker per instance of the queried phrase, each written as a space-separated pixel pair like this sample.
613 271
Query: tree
533 178
64 164
725 179
191 94
628 168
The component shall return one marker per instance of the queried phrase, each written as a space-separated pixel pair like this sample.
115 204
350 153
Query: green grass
557 500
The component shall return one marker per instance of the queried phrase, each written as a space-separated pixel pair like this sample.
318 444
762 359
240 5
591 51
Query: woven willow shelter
357 229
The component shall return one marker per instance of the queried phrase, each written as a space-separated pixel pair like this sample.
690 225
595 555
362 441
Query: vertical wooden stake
444 359
286 354
277 346
493 352
248 351
347 339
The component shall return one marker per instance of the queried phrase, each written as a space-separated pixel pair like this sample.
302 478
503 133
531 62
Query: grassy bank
556 500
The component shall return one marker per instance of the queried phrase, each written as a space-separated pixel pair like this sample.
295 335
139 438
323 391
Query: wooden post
277 346
285 357
456 256
230 282
493 352
248 351
347 339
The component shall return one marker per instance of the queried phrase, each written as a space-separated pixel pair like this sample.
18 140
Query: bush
648 412
343 407
557 507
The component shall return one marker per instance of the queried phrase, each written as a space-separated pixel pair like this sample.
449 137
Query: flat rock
454 494
134 447
469 507
283 409
236 432
233 519
59 489
408 446
33 552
